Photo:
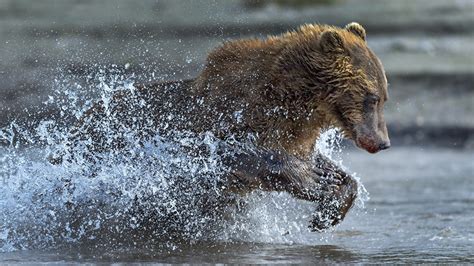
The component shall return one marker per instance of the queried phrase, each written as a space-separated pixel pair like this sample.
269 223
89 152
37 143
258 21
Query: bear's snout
384 145
372 135
372 144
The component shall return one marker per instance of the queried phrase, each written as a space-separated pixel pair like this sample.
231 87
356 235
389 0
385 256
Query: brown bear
289 87
277 93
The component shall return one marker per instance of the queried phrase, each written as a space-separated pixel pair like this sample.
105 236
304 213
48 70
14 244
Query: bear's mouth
362 142
367 144
353 132
372 144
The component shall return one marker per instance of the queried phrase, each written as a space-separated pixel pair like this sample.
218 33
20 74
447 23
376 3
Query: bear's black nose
384 146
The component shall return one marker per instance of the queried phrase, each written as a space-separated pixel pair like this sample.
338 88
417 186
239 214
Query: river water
419 209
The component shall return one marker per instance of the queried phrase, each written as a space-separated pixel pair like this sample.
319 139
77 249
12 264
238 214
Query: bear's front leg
332 209
319 181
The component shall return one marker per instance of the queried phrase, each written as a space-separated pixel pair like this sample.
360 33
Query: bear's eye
372 99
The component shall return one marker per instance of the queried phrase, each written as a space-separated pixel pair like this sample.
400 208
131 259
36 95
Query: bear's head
356 86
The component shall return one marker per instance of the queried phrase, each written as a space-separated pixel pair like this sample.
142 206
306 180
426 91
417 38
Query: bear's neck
304 112
283 114
300 121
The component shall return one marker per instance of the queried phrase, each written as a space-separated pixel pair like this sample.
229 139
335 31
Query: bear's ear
331 41
357 29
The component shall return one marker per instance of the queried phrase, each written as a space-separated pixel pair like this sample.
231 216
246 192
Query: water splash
277 217
329 144
153 194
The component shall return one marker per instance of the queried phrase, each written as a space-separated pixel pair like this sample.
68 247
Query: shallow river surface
421 209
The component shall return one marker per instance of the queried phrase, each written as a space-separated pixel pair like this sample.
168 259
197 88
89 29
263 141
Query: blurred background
426 47
421 190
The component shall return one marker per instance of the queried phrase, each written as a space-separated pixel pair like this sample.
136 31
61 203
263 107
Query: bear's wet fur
278 93
285 89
